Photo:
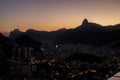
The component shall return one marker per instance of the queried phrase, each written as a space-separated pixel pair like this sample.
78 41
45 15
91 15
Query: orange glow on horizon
53 27
50 15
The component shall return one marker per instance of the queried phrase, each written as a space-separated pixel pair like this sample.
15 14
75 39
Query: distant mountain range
86 33
23 40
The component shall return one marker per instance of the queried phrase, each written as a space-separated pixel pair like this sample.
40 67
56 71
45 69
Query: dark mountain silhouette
15 34
4 39
87 33
7 45
85 22
25 40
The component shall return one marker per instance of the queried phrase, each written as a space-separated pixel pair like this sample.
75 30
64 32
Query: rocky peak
85 21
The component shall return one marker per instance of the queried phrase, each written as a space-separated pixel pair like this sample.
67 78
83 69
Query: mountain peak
16 30
15 34
62 29
85 21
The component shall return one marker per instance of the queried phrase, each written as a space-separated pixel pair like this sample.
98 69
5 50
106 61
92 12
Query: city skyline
55 14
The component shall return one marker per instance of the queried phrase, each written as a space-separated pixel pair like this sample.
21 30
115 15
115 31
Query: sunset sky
54 14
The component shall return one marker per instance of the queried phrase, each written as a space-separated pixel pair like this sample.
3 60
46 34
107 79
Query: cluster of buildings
63 51
18 62
21 62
